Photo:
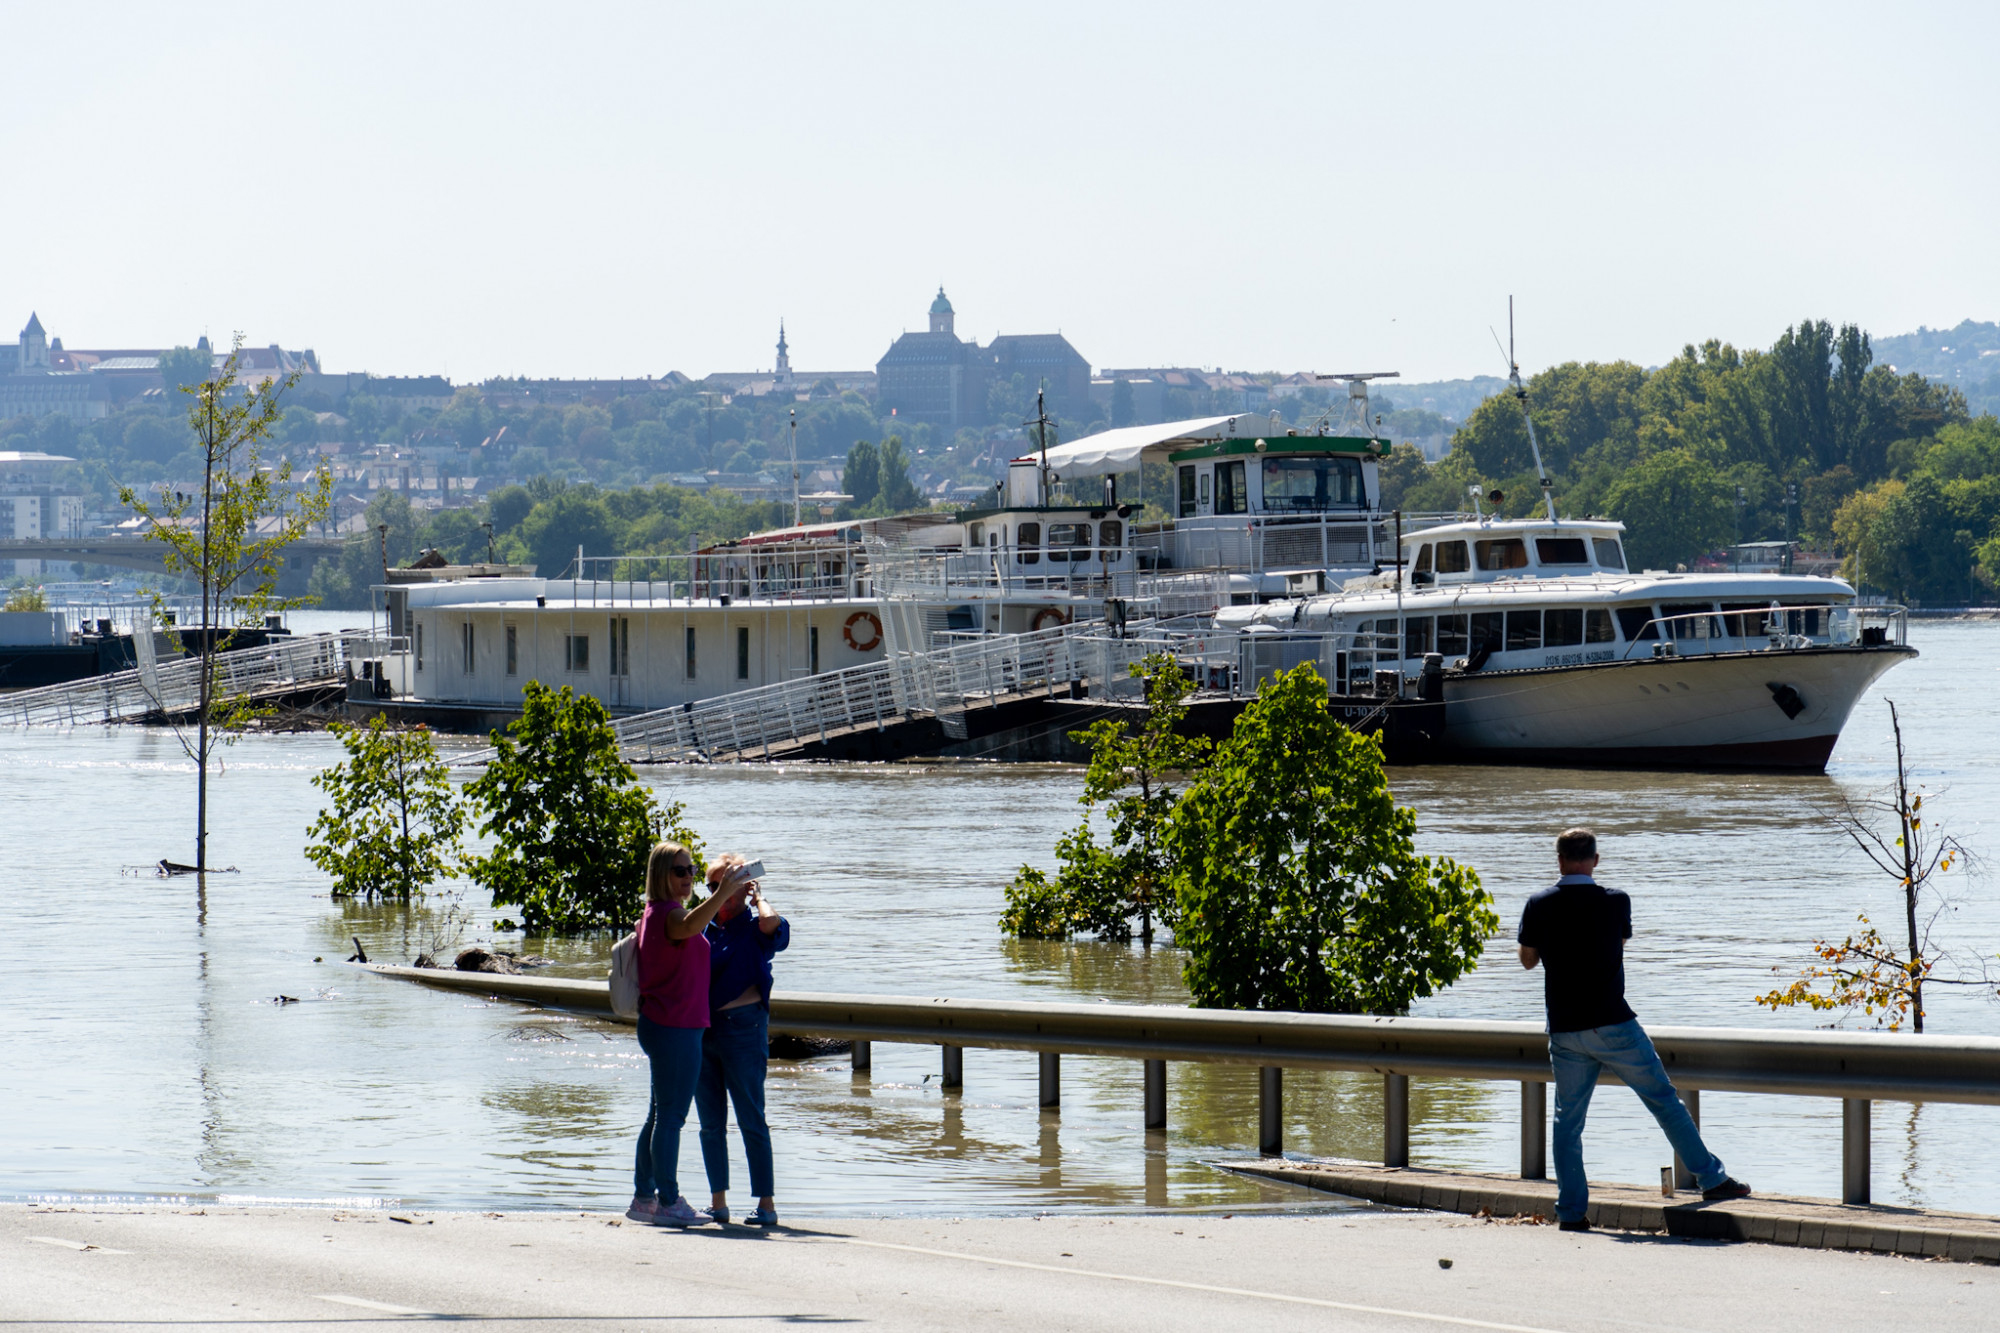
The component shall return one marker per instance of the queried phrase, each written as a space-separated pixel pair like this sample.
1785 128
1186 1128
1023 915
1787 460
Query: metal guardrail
1856 1067
1786 625
126 696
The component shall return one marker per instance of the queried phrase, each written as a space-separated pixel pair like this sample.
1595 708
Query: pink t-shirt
673 974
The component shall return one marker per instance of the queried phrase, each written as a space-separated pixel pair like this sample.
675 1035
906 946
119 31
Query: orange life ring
1050 615
874 624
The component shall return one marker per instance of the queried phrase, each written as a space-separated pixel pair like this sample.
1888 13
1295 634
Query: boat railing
1779 626
173 687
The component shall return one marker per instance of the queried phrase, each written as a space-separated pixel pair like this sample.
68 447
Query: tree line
1809 440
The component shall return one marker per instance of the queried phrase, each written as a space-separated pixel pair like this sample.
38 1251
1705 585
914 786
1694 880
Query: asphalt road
264 1269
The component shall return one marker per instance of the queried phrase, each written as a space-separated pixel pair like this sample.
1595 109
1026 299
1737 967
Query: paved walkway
1350 1269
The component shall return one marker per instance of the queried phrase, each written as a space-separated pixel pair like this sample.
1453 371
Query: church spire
784 356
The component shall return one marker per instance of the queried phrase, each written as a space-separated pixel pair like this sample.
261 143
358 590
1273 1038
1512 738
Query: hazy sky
622 190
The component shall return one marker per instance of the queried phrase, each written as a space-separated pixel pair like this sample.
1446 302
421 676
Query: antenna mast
1041 424
1521 396
795 467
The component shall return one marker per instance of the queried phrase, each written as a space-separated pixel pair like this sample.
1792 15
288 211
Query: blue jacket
739 956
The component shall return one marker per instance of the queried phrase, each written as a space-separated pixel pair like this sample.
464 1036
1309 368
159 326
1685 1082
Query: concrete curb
1818 1224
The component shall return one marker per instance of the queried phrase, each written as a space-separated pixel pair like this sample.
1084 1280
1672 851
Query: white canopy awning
1121 450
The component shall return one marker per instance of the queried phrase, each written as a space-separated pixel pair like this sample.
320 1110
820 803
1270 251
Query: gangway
167 689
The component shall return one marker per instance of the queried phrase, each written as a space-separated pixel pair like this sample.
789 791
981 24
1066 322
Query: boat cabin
1484 552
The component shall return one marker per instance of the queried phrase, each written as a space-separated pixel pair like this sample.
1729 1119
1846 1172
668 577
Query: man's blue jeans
675 1057
1626 1050
734 1055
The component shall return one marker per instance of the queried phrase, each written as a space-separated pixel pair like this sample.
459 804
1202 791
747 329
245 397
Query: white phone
755 870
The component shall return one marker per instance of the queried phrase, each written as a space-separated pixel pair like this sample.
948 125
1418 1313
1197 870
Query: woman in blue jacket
736 1047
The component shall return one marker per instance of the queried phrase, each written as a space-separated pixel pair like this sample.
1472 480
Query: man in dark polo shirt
1577 932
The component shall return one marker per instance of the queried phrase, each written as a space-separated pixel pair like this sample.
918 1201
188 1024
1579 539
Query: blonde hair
657 865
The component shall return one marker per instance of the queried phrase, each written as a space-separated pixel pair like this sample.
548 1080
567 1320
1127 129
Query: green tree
862 477
229 540
1297 877
573 518
1134 775
394 826
571 824
897 493
1675 508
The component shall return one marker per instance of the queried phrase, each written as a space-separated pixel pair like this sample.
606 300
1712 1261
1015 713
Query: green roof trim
1284 444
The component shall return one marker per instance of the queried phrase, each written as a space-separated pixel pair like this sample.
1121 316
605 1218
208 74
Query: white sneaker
643 1207
676 1214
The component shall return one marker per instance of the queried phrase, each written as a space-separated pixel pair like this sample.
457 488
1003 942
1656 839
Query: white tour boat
1546 648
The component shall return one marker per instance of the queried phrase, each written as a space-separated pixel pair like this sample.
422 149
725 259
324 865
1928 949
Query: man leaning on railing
1577 931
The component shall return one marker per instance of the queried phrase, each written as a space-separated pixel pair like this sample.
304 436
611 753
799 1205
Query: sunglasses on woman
682 872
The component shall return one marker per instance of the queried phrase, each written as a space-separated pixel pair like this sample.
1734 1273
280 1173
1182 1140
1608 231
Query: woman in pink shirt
673 1012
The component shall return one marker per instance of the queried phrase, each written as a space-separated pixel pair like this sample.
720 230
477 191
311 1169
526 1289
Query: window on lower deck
1524 630
1597 627
1488 631
1562 627
1689 620
1419 635
1635 621
1452 639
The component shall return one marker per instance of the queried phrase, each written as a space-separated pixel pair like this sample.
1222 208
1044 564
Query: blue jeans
734 1053
675 1056
1626 1050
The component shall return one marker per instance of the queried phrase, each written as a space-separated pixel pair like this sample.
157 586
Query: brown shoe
1730 1188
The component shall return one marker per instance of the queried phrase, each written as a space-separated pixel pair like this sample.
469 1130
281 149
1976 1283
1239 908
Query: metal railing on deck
1858 1068
127 696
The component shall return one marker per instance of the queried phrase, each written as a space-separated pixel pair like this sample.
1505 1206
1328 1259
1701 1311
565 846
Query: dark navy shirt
739 956
1579 928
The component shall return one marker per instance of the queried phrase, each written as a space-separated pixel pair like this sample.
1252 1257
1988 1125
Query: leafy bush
572 826
394 825
1297 879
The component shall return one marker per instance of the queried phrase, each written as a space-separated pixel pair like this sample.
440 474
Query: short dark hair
1576 844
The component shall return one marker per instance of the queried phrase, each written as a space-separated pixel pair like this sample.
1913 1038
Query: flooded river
146 1052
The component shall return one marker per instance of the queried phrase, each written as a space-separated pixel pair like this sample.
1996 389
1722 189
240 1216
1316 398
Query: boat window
1423 560
689 636
1609 555
1204 487
1384 641
1562 627
1561 551
1502 553
513 651
1487 631
1452 558
975 534
1451 639
1187 491
743 652
1419 635
1230 497
1597 627
1311 485
576 652
1028 537
1524 630
1804 621
1111 533
1635 622
1689 622
1065 539
1745 620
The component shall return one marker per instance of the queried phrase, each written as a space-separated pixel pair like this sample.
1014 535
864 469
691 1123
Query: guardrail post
1534 1130
954 1066
1395 1119
1156 1094
1854 1150
1684 1178
1051 1078
864 1057
1271 1110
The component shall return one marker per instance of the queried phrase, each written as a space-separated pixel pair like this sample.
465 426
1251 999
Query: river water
146 1053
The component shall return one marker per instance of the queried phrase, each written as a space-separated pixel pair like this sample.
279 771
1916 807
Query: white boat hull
1712 711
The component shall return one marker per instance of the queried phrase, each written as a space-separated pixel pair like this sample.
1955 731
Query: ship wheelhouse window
1187 490
1635 622
975 534
1311 485
1597 626
1422 564
1452 640
1027 543
1524 630
1562 627
1419 635
1502 553
1561 551
1452 558
1231 493
1609 554
1069 541
1111 533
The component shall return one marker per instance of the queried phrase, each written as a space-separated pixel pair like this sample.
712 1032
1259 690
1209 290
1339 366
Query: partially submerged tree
229 540
1135 775
571 824
394 826
1866 972
1297 877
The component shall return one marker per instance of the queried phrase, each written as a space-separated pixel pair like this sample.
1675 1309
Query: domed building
936 378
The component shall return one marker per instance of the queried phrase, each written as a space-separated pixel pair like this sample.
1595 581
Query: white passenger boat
1546 648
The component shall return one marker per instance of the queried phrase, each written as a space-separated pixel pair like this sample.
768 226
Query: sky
622 190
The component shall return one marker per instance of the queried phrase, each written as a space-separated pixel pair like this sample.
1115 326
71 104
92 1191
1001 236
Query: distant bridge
143 553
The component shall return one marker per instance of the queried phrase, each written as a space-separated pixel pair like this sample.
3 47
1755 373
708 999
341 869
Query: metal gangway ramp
166 689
